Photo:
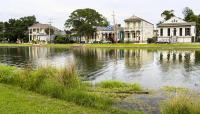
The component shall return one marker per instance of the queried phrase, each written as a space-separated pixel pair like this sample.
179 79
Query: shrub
151 40
6 74
181 105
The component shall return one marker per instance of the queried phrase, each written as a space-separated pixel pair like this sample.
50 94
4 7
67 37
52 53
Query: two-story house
138 30
40 32
176 30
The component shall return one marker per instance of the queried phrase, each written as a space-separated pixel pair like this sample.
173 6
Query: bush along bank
62 83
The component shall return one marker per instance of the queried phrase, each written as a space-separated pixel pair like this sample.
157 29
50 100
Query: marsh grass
182 104
175 89
120 85
60 83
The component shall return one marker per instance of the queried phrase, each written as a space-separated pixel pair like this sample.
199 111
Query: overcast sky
59 10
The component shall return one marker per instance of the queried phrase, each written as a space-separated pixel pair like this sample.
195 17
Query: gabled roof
175 22
135 18
44 26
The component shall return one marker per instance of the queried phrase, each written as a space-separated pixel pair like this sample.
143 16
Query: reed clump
181 104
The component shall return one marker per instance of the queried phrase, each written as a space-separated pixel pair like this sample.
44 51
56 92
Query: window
128 35
187 32
133 34
174 31
181 32
168 31
161 32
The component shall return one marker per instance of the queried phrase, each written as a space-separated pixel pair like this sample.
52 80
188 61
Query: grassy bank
62 84
65 93
147 46
119 45
14 100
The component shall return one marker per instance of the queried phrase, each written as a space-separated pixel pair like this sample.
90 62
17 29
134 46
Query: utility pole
3 30
115 28
50 22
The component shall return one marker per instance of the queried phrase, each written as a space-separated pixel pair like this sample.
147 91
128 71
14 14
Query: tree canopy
18 28
83 21
168 14
190 16
187 12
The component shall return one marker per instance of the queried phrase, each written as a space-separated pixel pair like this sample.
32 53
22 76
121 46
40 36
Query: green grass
62 83
174 89
14 45
147 46
120 45
182 104
119 85
57 83
14 100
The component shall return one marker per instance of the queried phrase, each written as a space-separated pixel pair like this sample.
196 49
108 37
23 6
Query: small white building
37 32
106 34
176 30
138 30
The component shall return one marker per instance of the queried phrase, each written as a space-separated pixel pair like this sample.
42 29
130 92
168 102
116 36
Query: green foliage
168 14
189 16
18 28
83 21
187 12
63 39
51 31
181 105
151 40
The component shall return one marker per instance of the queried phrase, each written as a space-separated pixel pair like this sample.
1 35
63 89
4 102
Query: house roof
176 22
135 18
39 25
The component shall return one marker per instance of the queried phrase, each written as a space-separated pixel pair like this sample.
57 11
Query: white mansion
37 32
138 30
176 30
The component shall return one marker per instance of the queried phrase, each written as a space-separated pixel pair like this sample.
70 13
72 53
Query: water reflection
152 69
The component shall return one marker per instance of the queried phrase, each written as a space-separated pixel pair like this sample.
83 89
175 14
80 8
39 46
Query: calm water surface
152 69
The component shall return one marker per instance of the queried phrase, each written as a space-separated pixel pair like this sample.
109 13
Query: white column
29 33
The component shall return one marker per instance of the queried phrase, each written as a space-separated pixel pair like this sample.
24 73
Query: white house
138 30
176 30
105 34
37 32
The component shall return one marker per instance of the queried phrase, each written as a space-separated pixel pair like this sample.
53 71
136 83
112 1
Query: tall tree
84 20
190 16
168 14
1 30
18 28
187 12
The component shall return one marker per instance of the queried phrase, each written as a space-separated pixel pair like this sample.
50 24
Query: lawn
14 100
119 45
